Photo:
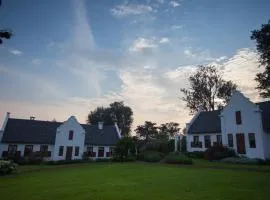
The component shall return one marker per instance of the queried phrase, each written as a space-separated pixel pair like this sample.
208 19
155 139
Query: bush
151 156
241 160
218 153
195 154
103 160
124 148
63 162
178 158
7 167
127 159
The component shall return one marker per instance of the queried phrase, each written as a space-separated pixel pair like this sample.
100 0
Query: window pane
238 117
207 141
77 149
230 140
100 151
12 149
61 150
70 136
43 148
252 142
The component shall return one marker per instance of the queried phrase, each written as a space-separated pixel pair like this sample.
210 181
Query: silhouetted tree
147 131
168 130
207 90
116 112
262 39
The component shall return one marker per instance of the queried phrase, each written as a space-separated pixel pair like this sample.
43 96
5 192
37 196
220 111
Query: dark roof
265 107
44 132
94 136
206 122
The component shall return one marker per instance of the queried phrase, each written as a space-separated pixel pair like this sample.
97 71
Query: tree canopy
208 90
116 112
262 39
147 131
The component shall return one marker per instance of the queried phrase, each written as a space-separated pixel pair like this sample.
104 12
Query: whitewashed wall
251 123
62 138
213 137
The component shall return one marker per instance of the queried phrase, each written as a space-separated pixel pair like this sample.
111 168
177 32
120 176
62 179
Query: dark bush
218 153
125 148
195 154
7 167
103 160
151 156
63 162
127 159
178 158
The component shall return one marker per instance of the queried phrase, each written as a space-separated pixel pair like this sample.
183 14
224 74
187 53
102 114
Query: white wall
251 123
20 147
213 137
266 145
62 139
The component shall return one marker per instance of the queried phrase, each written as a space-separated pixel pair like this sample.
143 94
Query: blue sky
67 57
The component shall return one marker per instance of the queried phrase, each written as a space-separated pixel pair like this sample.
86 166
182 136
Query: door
69 153
240 140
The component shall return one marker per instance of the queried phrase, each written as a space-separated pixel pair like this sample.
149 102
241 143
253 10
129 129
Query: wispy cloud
174 4
16 52
175 27
131 9
142 43
164 40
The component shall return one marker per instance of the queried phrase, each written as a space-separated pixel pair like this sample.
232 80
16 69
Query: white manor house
67 140
241 125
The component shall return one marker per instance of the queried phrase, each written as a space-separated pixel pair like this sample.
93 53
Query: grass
134 181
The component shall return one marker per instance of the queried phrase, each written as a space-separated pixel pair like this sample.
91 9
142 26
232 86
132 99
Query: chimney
32 118
5 121
100 125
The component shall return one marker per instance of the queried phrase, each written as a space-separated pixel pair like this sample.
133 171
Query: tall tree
168 130
116 112
147 131
262 39
208 89
4 34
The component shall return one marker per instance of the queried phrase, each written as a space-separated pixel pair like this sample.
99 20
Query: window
207 141
195 139
28 149
219 140
12 149
230 140
70 135
77 150
238 118
61 151
43 148
110 153
90 151
252 142
100 151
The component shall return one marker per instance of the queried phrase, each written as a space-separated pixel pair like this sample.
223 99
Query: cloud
221 58
131 9
16 52
175 27
174 4
164 40
36 61
142 43
160 1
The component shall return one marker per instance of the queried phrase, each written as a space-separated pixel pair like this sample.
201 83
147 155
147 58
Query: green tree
262 39
208 89
116 112
168 130
147 131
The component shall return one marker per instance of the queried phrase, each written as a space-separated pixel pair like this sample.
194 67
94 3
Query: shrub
7 167
218 153
178 158
124 148
151 156
63 162
103 160
127 159
195 154
241 160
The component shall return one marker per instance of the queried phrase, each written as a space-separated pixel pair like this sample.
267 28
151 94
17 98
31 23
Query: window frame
207 141
61 151
251 139
238 117
14 150
70 135
219 142
77 151
230 140
194 140
101 151
42 149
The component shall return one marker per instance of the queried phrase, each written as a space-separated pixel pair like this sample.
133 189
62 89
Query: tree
116 112
208 89
168 130
262 38
147 131
4 34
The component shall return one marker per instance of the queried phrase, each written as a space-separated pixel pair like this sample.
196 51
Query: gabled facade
241 125
58 141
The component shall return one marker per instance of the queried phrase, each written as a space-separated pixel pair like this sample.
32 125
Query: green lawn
134 181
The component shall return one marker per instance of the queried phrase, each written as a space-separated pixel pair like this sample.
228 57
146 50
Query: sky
67 57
